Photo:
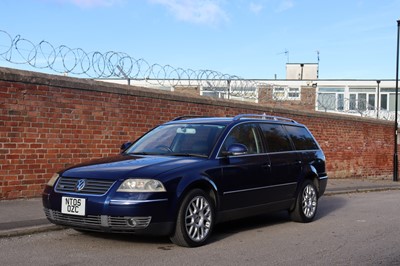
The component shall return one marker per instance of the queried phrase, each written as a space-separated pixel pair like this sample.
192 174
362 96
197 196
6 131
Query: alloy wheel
309 202
198 218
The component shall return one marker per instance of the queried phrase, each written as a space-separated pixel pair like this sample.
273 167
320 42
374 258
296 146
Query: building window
371 102
330 99
286 93
362 101
392 102
326 101
353 102
279 93
388 99
340 101
294 94
384 102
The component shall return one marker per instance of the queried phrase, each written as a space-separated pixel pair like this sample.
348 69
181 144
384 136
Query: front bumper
111 213
322 182
110 224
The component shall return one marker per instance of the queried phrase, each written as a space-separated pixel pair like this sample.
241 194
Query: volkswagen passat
183 177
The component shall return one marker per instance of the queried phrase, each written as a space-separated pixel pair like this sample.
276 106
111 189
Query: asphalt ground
26 216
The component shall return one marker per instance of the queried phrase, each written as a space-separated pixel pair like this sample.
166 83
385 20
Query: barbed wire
356 107
75 61
359 107
302 99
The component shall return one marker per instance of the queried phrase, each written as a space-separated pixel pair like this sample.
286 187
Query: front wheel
306 203
195 220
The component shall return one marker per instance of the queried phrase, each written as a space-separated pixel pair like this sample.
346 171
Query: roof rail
264 116
189 116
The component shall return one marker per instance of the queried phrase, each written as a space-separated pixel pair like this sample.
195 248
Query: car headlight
141 185
53 180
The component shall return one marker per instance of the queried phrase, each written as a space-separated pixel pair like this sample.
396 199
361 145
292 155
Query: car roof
236 119
203 120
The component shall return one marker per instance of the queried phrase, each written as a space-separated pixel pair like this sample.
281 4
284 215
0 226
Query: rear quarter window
276 138
301 138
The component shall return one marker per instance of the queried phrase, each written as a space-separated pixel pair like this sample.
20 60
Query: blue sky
356 39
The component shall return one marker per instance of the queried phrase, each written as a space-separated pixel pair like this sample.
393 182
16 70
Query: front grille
98 222
92 186
90 220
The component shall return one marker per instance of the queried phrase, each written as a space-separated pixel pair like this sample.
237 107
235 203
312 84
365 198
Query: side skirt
254 210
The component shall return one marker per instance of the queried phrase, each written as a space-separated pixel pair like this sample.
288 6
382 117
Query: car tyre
195 220
306 204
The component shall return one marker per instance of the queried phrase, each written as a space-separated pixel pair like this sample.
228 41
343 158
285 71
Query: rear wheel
195 220
306 204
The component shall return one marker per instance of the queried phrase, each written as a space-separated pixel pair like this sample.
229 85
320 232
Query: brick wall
50 122
306 102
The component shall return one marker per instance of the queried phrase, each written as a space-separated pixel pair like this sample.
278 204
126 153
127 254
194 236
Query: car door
243 176
285 163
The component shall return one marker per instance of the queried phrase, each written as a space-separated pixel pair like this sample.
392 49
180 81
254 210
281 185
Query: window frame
259 142
283 93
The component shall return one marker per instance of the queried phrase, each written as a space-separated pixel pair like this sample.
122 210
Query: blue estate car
183 177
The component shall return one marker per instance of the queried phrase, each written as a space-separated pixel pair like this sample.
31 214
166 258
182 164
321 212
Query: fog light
132 222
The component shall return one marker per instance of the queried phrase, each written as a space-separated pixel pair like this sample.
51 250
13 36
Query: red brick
44 128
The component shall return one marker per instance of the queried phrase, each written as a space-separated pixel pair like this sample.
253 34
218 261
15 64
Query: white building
363 97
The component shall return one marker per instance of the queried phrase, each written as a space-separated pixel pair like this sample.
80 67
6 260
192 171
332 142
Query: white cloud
285 5
256 8
195 11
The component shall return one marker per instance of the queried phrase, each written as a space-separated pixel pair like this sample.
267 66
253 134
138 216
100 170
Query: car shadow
131 238
227 229
327 205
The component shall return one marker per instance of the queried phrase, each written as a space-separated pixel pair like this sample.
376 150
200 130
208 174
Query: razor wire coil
103 65
75 61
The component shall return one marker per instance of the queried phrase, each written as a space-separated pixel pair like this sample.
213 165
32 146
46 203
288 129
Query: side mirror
236 149
125 146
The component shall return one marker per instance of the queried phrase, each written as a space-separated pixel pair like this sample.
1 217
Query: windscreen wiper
141 153
187 154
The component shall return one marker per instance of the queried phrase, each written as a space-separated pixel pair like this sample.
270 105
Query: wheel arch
204 183
311 173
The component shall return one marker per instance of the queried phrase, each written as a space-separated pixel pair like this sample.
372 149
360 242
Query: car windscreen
178 140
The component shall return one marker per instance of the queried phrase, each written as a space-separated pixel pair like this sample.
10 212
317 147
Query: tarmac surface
26 216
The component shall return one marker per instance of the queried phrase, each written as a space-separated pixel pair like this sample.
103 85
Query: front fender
203 182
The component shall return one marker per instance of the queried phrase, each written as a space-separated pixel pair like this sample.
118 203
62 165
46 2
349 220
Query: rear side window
301 138
276 138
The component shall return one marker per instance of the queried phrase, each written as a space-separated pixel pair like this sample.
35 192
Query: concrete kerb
344 186
359 190
30 230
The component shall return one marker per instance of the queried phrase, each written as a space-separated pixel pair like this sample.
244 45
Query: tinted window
245 134
276 138
178 138
301 138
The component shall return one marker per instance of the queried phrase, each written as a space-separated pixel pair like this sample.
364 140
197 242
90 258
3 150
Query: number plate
73 206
